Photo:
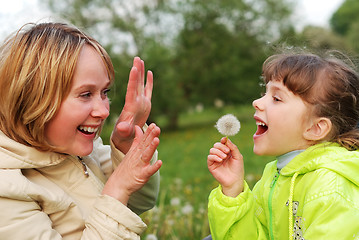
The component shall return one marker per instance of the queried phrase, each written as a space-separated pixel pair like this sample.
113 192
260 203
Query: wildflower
187 209
228 125
151 237
218 103
175 201
170 222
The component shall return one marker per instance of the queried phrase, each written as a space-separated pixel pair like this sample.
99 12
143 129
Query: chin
260 152
85 150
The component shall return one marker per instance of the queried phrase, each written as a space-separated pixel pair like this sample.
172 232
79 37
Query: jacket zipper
84 166
275 178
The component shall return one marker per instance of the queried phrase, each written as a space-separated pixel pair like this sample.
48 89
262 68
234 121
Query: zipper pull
275 178
84 166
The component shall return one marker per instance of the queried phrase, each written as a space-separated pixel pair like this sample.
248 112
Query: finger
150 150
213 158
152 169
142 72
132 84
140 65
217 152
137 139
151 132
234 149
222 147
149 85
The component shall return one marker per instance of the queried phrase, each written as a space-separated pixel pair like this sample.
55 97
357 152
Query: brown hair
37 64
329 83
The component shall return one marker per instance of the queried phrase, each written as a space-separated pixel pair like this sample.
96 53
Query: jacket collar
328 155
17 155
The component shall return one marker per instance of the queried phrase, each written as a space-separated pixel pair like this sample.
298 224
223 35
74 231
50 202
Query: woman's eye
85 95
105 93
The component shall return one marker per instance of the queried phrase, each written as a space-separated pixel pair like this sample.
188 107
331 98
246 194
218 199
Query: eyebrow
277 88
91 86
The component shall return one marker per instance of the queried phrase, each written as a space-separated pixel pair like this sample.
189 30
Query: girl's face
74 127
281 118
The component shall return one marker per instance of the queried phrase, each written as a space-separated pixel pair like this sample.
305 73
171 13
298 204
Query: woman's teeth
88 129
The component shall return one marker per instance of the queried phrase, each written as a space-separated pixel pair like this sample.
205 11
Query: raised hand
137 106
225 163
135 169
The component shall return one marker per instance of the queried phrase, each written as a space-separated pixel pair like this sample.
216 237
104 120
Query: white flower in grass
151 237
187 209
228 125
175 201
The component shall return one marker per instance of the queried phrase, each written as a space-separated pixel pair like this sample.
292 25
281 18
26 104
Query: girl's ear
319 130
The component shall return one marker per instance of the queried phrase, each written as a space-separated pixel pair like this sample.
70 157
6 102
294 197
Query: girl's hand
137 106
135 169
225 163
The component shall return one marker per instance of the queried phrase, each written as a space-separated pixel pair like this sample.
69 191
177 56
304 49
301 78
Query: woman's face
74 127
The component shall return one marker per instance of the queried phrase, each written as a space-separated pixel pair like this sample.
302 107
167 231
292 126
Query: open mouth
87 130
261 128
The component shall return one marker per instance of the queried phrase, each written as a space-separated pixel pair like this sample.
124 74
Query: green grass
185 179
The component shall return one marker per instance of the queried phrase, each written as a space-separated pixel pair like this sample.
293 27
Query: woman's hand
135 169
225 163
137 106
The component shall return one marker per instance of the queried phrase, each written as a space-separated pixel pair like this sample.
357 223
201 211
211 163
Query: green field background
181 211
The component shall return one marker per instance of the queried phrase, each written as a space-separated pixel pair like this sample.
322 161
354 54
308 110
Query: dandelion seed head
228 125
170 222
175 201
187 209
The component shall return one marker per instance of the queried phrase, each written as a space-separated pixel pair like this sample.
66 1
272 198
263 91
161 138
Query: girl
57 180
307 119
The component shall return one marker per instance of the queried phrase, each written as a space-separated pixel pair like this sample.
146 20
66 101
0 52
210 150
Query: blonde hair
37 65
329 83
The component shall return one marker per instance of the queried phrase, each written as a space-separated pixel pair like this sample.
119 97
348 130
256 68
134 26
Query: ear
318 130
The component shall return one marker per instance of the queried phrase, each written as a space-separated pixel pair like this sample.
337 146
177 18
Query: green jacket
316 196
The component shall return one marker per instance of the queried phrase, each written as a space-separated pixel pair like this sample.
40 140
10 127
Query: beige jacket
45 195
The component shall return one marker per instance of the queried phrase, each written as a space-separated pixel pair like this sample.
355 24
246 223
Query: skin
87 105
137 106
287 123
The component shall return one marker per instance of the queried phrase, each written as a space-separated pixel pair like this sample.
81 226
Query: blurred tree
346 15
345 22
321 39
198 50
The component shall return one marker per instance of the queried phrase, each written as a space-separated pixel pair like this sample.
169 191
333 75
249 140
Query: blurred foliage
201 51
198 50
345 22
345 17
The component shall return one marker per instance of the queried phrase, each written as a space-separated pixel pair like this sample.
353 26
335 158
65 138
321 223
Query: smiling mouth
87 130
261 128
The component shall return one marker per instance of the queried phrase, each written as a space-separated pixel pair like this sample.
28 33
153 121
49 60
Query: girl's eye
276 99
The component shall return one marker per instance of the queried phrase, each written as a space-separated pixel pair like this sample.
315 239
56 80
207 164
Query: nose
101 108
257 104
